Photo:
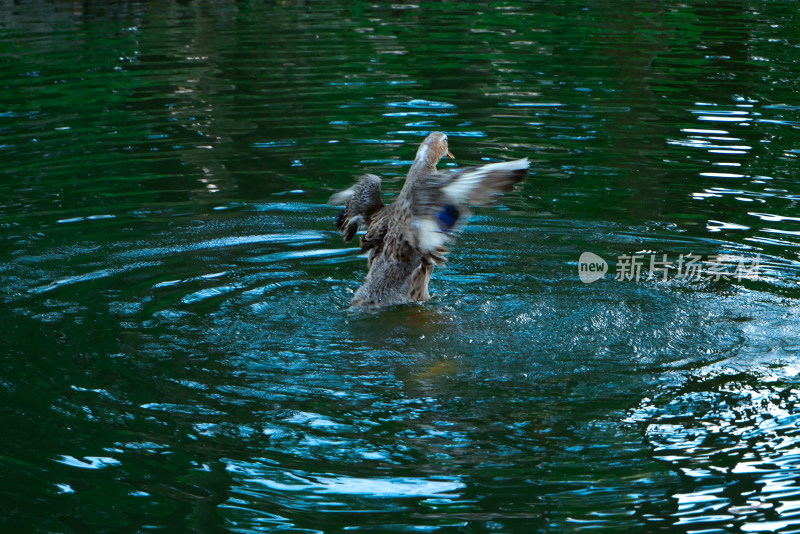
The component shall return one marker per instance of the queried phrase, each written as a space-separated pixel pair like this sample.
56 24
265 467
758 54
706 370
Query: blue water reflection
176 348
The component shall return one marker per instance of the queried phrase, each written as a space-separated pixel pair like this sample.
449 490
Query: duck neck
423 166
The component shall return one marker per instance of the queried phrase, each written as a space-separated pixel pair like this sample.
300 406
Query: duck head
432 149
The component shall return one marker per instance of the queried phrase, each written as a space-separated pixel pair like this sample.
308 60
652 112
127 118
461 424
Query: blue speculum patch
212 262
448 217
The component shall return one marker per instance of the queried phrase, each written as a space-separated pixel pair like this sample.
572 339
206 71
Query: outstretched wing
361 202
440 200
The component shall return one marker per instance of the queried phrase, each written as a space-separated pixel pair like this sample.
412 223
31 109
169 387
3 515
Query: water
177 354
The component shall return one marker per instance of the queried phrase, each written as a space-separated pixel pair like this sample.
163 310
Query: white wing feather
342 197
462 187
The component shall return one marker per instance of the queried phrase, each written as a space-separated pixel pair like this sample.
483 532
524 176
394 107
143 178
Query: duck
407 239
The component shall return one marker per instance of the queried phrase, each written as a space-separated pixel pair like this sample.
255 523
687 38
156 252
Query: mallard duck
408 238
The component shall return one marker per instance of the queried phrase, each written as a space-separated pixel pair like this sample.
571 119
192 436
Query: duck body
398 271
408 238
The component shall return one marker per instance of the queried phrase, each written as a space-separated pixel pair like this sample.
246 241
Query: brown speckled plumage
406 239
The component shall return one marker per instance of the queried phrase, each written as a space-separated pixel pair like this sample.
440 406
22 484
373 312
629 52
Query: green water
176 350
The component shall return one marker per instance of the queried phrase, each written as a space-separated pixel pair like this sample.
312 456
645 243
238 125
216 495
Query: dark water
176 353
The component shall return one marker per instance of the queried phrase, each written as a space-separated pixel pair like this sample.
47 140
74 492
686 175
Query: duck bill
450 155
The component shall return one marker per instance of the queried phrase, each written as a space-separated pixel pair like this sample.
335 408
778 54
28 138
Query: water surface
177 353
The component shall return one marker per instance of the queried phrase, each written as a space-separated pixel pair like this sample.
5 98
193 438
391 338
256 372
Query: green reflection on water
176 355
